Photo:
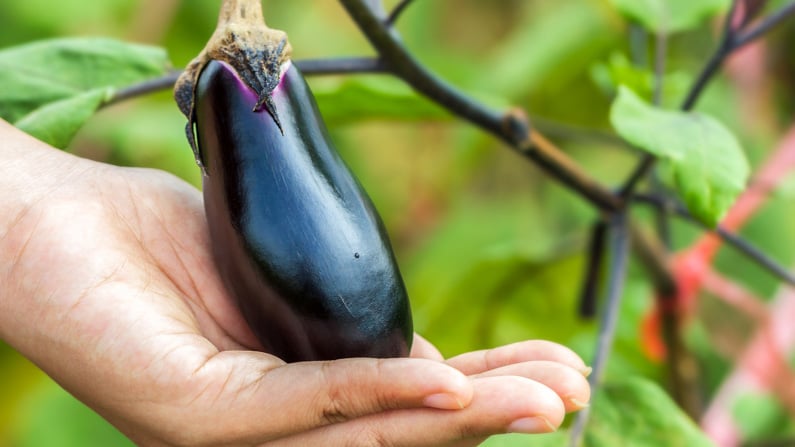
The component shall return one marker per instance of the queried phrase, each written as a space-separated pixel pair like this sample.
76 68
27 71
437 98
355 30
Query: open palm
109 287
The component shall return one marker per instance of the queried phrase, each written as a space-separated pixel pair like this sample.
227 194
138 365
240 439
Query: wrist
30 173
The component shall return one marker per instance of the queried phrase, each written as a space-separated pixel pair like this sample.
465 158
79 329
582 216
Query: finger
422 348
566 382
500 405
256 403
479 361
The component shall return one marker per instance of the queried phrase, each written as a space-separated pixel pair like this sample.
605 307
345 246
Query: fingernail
536 424
578 403
443 401
586 371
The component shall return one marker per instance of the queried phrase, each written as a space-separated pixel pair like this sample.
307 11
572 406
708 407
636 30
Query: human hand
106 283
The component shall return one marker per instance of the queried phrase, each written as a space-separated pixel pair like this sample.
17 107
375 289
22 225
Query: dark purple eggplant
295 238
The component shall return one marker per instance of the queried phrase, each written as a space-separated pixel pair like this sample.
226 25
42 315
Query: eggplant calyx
242 40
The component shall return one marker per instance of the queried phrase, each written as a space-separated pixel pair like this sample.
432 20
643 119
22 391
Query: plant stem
765 25
754 253
682 366
402 64
395 14
341 66
511 126
240 11
619 245
733 240
648 160
638 37
709 70
660 52
593 270
307 67
653 258
377 8
165 82
713 64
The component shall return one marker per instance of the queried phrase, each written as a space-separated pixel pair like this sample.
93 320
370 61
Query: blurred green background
490 247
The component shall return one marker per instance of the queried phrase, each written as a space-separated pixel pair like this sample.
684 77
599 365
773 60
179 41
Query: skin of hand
107 284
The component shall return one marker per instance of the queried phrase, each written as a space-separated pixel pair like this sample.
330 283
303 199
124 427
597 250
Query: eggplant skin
295 237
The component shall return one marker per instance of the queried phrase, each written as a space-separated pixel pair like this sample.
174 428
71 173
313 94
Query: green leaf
708 165
670 16
57 80
618 70
637 412
57 123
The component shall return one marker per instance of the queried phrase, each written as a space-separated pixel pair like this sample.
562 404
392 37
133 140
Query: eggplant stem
242 40
240 11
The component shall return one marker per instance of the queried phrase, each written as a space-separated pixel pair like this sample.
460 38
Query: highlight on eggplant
295 238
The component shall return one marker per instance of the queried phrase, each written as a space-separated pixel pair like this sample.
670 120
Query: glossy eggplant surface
295 237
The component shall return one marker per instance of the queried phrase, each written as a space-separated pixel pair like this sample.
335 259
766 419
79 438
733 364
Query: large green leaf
57 122
670 16
637 412
51 87
708 165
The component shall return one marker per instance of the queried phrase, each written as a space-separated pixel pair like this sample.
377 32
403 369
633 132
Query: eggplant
295 238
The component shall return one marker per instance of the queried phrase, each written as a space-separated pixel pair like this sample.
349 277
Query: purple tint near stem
249 92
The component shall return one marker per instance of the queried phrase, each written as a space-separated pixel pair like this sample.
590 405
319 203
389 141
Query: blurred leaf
357 98
670 16
707 162
759 415
496 274
618 70
36 19
57 123
51 87
634 412
785 189
550 48
18 379
52 417
518 294
149 133
471 234
637 412
556 439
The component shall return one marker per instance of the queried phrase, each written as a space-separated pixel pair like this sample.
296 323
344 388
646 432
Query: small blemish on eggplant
356 255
